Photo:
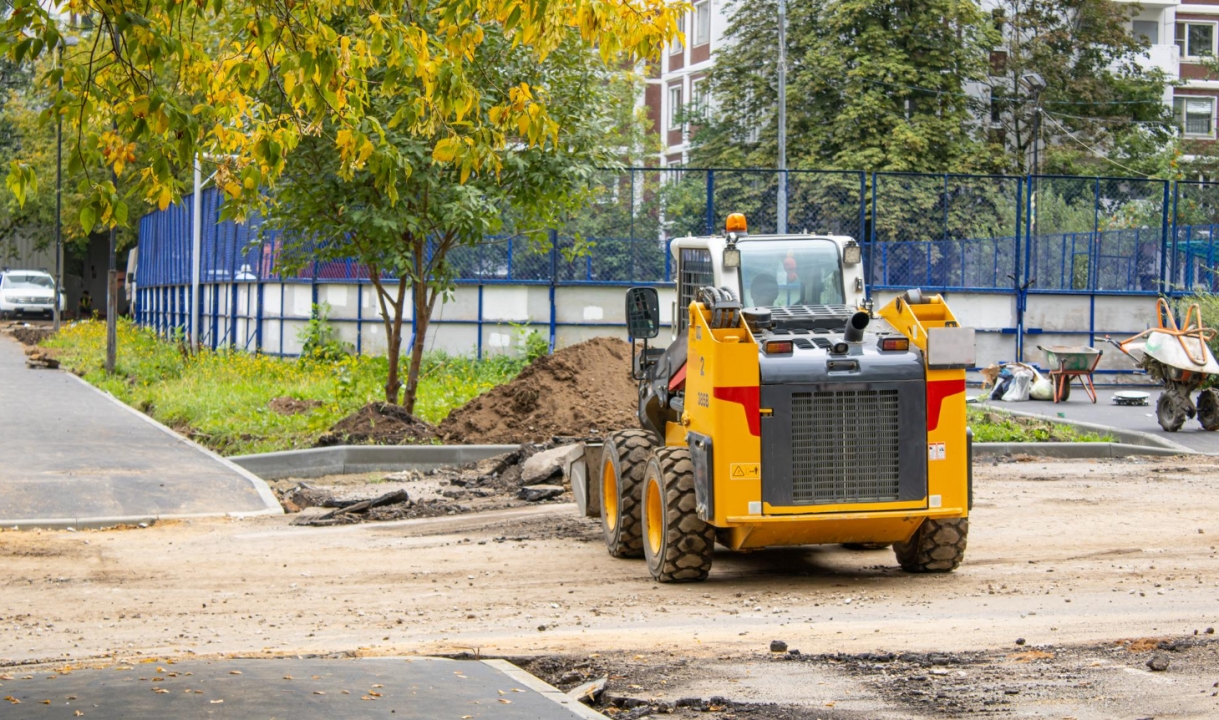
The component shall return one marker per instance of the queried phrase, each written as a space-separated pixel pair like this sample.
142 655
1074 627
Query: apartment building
1180 35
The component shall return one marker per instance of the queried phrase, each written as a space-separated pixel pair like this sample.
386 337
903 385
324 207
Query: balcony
1164 57
1151 4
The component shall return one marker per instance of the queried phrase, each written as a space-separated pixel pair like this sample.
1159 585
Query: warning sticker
746 471
935 451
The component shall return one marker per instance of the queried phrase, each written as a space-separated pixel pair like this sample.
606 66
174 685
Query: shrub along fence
1038 259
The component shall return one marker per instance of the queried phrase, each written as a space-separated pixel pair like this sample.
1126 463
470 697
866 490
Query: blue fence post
859 235
554 273
359 318
872 238
710 205
480 321
1169 258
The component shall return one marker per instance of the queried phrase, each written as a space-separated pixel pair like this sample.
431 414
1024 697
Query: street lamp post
56 312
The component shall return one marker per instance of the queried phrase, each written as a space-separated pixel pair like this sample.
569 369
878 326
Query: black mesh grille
695 272
844 446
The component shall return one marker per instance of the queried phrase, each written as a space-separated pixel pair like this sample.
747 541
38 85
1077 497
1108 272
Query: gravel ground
1098 567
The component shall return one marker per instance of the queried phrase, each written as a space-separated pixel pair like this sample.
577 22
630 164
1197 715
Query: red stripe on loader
937 392
678 379
749 398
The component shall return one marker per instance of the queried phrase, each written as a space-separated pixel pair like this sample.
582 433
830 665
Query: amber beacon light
736 223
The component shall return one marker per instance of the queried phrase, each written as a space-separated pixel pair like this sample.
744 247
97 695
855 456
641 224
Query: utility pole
781 226
112 295
57 313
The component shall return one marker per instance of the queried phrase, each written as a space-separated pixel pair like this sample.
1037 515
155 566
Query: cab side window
694 271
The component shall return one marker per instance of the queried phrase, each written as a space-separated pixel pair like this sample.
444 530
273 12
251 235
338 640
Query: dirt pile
581 390
378 424
292 406
29 334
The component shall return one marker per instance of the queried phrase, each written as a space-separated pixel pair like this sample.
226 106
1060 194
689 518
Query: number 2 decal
701 361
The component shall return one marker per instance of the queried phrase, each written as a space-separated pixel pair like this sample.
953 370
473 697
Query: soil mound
292 406
31 335
582 390
378 424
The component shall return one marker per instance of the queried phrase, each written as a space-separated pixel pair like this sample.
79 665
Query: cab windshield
783 273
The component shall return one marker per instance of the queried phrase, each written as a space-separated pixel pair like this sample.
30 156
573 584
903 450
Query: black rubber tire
681 547
937 546
1066 389
866 546
626 452
1170 412
1208 409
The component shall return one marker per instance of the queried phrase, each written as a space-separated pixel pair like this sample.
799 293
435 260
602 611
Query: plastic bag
1042 389
1022 382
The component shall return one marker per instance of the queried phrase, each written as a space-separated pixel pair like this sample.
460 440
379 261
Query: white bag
1042 389
1022 382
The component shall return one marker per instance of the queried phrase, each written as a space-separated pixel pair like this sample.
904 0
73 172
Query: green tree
157 82
872 85
411 245
1103 110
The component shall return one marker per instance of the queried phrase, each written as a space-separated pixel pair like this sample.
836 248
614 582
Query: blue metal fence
940 232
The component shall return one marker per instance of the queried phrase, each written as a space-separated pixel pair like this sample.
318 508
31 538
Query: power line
1090 149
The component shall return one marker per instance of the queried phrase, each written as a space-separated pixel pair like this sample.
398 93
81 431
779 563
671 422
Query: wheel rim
609 495
655 519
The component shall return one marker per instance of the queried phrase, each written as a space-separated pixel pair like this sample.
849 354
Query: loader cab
773 271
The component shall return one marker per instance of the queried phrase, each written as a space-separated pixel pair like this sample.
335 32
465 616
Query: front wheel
676 542
937 546
1170 411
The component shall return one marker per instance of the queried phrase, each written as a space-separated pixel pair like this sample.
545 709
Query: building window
698 97
1196 39
677 47
1195 116
702 22
675 107
1147 31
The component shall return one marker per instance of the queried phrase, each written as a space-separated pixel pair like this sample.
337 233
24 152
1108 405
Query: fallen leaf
318 692
234 672
79 713
160 691
287 677
505 701
6 676
378 685
45 702
160 669
12 699
374 694
217 702
345 692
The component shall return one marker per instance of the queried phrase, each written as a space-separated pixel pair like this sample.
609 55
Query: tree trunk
422 305
391 317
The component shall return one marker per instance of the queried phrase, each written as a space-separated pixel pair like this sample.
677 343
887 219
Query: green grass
990 426
220 398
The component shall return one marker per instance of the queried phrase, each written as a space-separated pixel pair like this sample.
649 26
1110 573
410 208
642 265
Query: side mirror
642 313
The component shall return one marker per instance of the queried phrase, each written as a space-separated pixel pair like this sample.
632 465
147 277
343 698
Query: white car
27 292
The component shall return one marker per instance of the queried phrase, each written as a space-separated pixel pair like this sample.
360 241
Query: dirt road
1070 557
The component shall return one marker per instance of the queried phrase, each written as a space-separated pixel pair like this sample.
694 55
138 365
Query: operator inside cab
783 273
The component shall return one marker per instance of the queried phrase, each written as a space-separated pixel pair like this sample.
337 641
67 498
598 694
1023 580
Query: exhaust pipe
855 327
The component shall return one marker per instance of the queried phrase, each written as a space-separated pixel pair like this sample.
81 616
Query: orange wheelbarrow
1066 362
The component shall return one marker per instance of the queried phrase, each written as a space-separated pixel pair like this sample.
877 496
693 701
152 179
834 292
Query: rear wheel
937 546
1170 411
676 542
624 458
1208 409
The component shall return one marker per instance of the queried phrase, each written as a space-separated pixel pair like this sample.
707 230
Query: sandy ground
1071 557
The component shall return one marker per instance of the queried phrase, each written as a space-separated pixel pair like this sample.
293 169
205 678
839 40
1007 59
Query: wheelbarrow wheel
1171 411
1064 387
1208 409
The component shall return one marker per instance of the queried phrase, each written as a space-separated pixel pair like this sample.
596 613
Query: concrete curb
1074 450
347 459
544 689
1127 437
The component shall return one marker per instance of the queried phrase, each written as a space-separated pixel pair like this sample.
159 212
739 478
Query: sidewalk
1105 412
72 455
418 688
